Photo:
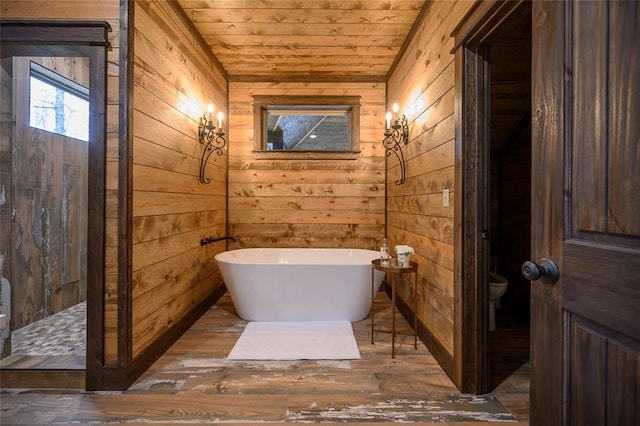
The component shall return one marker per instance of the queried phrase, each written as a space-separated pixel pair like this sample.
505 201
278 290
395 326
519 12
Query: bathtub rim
226 256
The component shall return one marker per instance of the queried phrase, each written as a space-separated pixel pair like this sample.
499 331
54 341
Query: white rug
285 340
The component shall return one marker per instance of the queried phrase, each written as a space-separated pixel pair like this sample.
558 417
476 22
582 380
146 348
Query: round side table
394 270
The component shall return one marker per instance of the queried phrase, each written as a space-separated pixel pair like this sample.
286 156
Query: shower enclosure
43 200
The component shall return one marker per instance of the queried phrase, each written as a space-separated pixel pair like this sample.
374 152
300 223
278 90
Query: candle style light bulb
210 110
388 120
395 111
220 117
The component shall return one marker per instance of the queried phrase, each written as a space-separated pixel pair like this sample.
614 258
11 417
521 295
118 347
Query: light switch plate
445 197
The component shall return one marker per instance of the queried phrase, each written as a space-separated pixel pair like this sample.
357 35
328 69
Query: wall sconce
214 141
394 135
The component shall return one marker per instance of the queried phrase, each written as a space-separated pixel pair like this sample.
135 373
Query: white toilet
497 287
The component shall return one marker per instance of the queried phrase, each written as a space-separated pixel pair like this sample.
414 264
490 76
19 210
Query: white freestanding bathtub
300 284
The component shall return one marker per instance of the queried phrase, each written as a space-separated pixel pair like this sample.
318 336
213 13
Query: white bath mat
286 340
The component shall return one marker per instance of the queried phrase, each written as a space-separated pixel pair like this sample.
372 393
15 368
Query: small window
57 104
312 127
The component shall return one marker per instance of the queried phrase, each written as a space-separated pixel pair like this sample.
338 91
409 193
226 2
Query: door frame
471 246
87 39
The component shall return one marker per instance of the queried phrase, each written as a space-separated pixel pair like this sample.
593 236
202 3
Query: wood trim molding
284 100
96 214
471 250
39 33
471 178
125 184
305 155
240 78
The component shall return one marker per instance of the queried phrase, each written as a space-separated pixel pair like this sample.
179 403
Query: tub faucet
210 240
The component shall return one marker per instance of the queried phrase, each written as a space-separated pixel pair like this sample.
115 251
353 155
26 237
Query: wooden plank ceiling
314 40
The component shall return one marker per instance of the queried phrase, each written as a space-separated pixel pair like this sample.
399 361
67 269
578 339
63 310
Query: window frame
262 105
59 82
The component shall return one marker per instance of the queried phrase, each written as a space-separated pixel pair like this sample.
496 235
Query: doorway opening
493 177
509 207
45 276
53 200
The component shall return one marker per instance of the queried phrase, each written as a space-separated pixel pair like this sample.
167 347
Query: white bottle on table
384 253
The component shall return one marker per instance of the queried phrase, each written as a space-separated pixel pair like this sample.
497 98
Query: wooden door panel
622 394
596 355
605 106
601 283
600 265
624 113
589 190
587 358
547 168
586 218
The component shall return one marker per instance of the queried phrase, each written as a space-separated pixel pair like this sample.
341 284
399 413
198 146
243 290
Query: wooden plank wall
106 10
423 86
65 277
174 80
75 69
306 203
50 175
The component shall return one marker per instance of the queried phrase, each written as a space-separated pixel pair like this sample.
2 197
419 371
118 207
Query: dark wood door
585 355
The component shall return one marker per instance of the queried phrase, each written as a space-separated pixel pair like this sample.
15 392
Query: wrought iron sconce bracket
394 137
213 140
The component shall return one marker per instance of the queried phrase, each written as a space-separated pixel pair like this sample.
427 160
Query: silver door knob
545 269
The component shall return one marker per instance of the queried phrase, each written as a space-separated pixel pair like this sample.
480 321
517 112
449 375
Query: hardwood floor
509 362
508 347
193 382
